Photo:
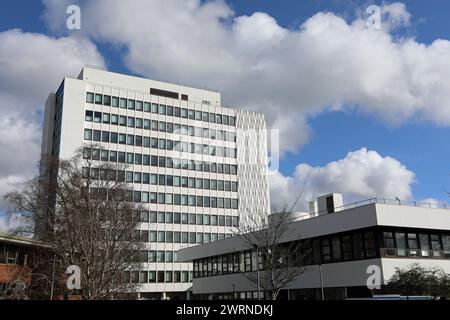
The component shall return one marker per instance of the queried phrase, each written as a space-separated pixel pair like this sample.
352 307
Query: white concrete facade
374 216
234 191
334 275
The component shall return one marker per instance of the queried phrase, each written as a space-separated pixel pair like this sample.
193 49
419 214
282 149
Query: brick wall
10 272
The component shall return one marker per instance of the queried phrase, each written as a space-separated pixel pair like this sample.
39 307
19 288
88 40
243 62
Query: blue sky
418 142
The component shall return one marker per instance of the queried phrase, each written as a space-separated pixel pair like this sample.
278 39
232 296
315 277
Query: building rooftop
356 204
352 216
19 240
128 82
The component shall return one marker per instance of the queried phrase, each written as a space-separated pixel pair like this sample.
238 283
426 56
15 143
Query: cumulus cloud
13 223
31 66
360 175
55 14
19 142
4 224
396 15
289 74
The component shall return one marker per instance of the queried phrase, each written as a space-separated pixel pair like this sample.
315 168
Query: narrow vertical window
89 97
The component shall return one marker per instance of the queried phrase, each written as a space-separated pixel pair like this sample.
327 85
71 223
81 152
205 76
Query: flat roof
361 215
140 84
19 240
80 76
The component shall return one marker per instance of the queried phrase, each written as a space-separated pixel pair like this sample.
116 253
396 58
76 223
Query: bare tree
16 286
280 263
30 281
87 212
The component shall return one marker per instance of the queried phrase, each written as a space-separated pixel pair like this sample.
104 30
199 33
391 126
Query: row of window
182 218
242 295
168 198
181 236
352 246
158 276
189 218
185 218
159 179
160 126
356 245
161 109
155 143
10 255
158 256
59 98
157 161
416 244
244 261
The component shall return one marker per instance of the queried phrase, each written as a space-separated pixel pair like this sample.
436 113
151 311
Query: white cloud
31 66
326 63
4 224
12 224
396 15
19 141
360 175
55 14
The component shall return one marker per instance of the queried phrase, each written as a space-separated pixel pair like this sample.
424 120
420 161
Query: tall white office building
196 167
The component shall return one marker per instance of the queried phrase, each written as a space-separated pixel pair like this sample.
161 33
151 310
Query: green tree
418 280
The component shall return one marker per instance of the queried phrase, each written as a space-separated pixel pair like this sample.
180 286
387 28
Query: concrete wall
342 274
72 123
351 219
47 133
132 83
346 220
413 217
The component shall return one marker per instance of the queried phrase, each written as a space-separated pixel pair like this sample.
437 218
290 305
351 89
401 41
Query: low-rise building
19 257
348 246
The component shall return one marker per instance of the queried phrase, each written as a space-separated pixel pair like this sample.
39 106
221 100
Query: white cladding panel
342 274
252 160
